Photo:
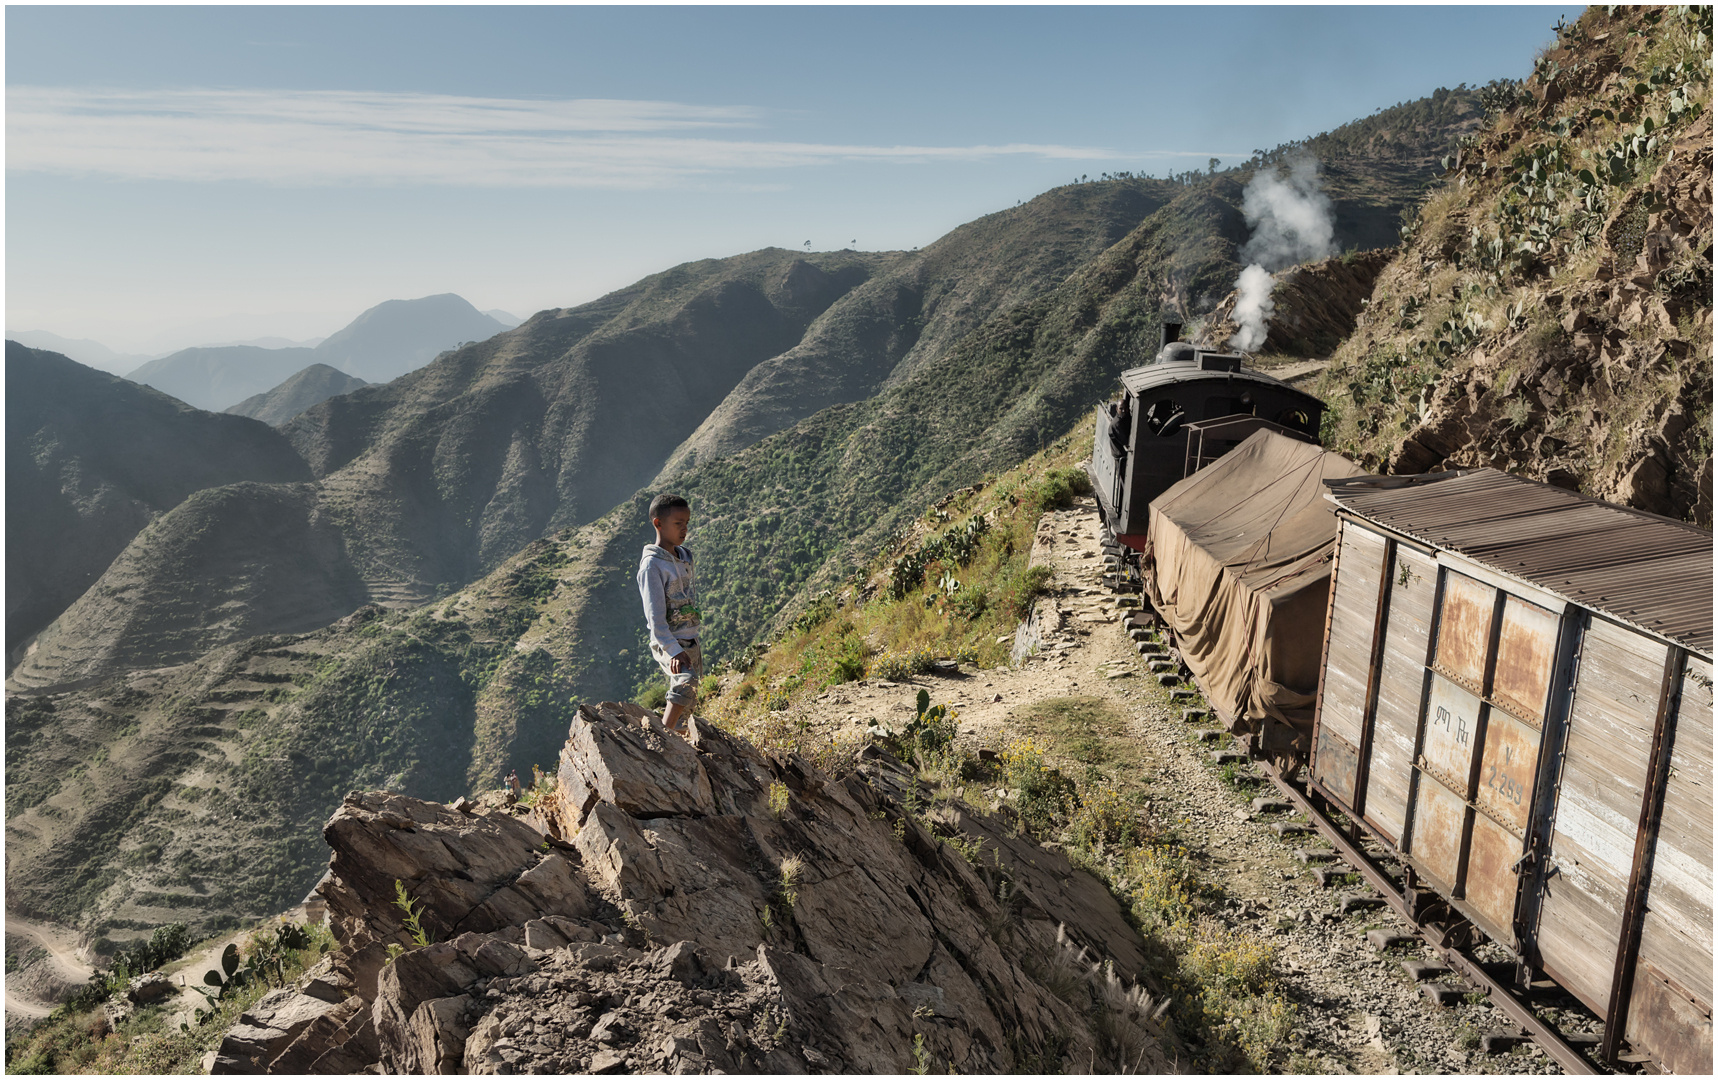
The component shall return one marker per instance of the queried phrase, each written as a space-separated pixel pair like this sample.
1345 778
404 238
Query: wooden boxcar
1161 430
1517 697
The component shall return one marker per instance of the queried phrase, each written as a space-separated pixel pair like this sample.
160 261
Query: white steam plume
1292 222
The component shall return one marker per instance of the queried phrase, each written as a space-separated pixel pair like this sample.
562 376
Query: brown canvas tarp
1238 562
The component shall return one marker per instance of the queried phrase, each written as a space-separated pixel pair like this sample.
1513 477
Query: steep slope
312 386
196 793
397 336
456 466
226 564
1552 312
1315 304
90 459
1376 165
899 321
214 377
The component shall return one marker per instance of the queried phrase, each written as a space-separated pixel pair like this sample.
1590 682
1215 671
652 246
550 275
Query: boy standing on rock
671 606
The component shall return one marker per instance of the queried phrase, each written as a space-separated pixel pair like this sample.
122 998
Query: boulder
266 1029
150 988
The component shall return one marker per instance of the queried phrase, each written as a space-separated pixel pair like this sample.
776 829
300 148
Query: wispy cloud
332 137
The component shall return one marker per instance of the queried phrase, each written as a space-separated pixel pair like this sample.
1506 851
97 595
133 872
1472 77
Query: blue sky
184 175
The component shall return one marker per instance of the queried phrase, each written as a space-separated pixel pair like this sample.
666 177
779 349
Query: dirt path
69 970
64 966
1359 1012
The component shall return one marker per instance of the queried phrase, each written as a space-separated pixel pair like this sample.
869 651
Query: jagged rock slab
665 920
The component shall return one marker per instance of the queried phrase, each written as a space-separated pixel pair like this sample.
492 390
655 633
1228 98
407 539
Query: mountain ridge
311 386
383 342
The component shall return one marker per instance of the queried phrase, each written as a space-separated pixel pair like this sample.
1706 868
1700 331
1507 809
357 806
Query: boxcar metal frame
1557 776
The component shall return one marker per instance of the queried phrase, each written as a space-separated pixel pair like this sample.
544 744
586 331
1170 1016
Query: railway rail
1445 936
1449 934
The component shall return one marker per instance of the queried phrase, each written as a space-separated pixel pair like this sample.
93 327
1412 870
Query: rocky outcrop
699 906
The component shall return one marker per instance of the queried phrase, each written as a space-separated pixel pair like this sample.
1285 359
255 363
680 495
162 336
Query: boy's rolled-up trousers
682 686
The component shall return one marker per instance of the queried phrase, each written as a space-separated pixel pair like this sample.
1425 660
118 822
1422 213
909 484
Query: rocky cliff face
698 906
1615 396
1551 311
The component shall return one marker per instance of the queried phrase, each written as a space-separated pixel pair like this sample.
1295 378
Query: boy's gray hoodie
670 592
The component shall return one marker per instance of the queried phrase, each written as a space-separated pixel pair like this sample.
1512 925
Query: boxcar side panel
1401 686
1599 797
1360 569
1676 935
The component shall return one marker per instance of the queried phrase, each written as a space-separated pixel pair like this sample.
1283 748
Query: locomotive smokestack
1171 331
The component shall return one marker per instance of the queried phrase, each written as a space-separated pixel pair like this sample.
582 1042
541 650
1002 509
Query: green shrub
901 666
1059 488
849 664
164 944
1019 591
1042 795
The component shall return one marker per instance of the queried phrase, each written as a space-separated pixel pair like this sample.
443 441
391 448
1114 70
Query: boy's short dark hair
666 502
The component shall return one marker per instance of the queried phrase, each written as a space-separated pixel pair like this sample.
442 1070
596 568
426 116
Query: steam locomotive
1179 413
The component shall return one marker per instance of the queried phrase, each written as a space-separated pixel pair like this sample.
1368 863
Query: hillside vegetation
195 792
1551 312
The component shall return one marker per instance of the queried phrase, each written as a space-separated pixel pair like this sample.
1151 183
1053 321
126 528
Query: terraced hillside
90 460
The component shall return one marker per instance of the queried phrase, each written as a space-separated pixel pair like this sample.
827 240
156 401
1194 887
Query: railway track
1446 933
1450 936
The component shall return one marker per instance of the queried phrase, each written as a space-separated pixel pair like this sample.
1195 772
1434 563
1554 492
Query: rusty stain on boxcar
1464 628
1336 765
1436 843
1526 651
1507 769
1664 1016
1491 884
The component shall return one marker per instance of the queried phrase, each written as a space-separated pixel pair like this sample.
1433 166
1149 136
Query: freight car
1517 700
1512 700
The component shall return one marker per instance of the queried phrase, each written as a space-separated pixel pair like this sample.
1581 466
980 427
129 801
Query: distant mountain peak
312 386
397 336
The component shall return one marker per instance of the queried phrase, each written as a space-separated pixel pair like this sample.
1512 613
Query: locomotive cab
1177 414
